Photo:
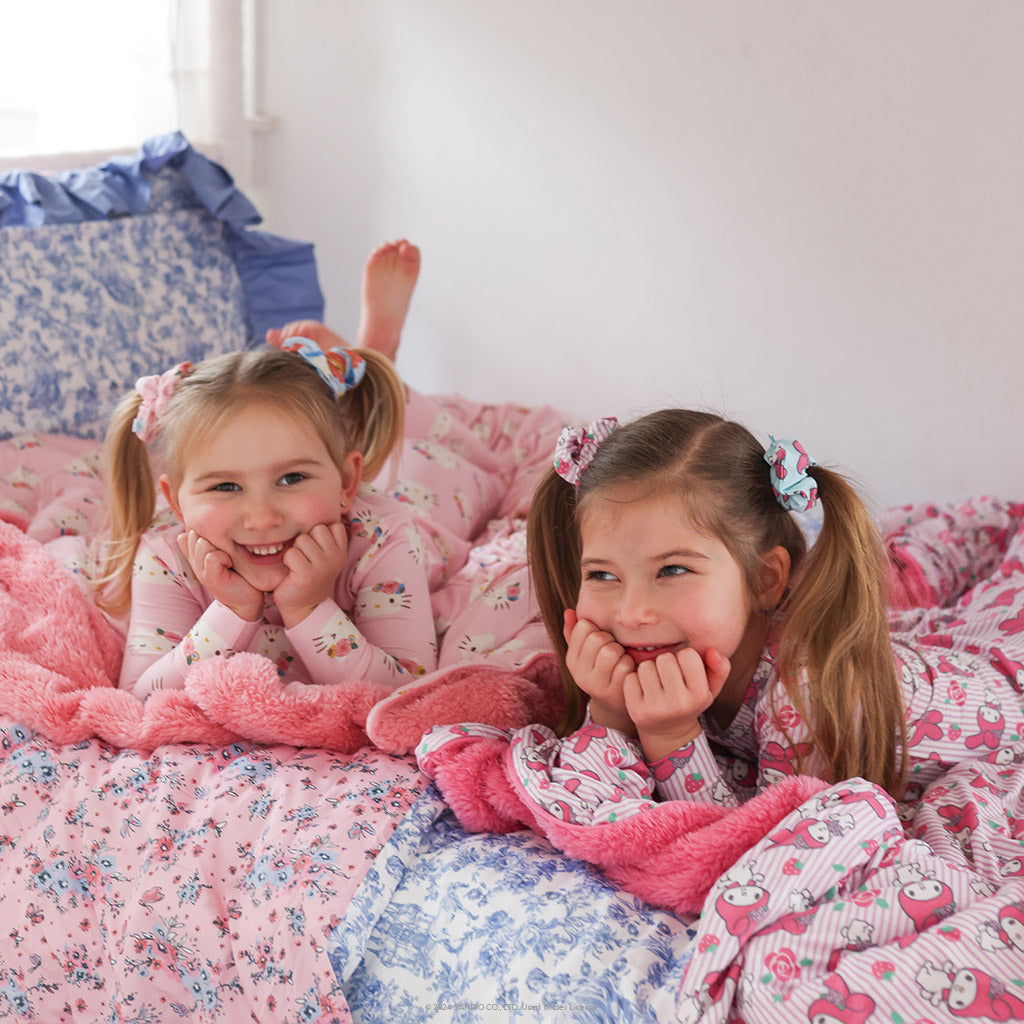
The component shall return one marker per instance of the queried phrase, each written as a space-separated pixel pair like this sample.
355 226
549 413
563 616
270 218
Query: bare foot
388 281
312 329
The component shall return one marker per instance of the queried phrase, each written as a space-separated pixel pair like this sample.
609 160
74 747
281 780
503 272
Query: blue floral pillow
86 309
122 270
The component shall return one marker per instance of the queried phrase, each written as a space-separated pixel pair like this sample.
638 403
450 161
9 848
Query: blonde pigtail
376 409
129 505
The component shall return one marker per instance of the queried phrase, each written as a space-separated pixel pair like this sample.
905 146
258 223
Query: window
80 80
85 77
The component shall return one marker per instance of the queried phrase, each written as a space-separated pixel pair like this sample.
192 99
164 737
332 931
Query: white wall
802 213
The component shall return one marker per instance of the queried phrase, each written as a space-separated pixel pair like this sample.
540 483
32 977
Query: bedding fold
59 662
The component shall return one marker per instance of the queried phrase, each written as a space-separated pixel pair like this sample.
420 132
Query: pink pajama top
377 625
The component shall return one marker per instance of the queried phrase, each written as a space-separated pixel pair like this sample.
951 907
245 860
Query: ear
351 477
773 577
172 496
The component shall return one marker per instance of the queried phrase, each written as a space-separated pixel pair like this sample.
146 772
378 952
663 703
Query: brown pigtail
376 411
837 633
553 550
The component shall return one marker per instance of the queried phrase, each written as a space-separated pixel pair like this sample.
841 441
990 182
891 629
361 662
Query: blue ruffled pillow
119 271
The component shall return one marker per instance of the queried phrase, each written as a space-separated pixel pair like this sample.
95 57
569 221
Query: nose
637 607
260 514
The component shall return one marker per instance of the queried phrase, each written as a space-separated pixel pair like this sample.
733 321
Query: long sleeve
766 741
389 633
171 625
692 773
376 625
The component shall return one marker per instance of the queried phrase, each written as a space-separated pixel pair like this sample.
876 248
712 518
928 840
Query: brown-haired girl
688 614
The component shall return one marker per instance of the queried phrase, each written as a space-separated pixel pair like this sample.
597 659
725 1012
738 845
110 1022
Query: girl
688 615
278 551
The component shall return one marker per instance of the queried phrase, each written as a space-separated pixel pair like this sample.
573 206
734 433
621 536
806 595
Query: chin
265 581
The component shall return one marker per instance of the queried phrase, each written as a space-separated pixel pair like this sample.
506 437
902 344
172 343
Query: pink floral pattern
197 884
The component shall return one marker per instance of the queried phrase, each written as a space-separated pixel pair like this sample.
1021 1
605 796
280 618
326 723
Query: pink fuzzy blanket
668 856
59 662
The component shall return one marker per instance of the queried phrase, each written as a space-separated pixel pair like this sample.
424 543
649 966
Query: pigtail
553 552
376 412
837 632
130 504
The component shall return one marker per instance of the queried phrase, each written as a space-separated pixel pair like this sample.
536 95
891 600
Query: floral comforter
196 884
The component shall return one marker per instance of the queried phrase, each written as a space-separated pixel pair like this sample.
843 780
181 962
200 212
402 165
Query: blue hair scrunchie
795 489
342 369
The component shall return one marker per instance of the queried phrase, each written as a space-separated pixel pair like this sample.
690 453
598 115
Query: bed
236 851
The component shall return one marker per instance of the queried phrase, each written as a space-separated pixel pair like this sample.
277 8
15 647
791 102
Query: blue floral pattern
456 926
86 309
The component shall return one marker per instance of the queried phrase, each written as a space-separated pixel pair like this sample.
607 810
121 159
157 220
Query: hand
314 561
599 666
213 570
665 696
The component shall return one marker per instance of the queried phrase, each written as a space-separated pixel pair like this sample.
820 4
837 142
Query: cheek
210 521
713 623
191 514
321 508
590 606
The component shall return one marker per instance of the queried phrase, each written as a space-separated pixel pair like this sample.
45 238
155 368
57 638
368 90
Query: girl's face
658 585
252 486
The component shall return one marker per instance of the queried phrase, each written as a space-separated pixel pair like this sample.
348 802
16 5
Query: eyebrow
278 469
686 554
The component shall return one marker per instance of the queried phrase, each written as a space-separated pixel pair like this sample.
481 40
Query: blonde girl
689 616
276 549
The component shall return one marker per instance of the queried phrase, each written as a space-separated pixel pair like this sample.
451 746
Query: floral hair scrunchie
576 447
342 369
795 489
156 391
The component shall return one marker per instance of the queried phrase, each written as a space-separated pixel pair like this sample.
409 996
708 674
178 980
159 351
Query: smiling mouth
650 651
258 552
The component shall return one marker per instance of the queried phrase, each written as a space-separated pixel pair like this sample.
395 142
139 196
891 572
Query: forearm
155 659
334 649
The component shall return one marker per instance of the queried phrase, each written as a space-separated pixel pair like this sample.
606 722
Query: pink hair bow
156 392
576 446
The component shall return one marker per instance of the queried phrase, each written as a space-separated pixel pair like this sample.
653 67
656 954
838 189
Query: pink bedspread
198 883
473 469
59 660
823 903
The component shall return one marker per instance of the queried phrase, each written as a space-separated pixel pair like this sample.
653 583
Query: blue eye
600 575
226 486
673 570
290 479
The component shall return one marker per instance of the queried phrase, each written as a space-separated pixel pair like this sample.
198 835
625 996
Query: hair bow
576 447
156 392
342 369
795 489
